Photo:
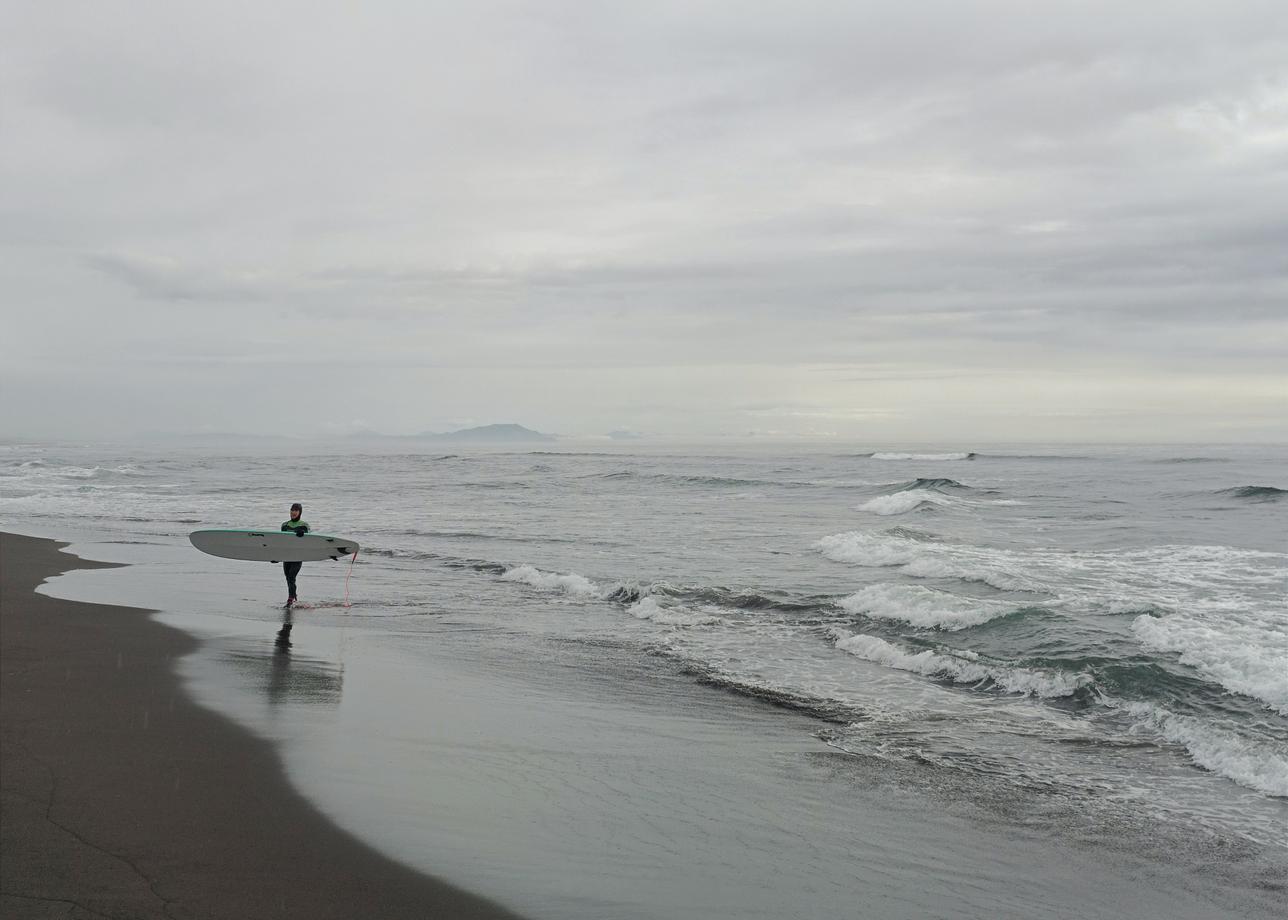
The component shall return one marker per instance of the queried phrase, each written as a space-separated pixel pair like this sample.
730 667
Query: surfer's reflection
283 642
293 679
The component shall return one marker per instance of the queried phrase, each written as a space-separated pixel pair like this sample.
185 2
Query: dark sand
123 798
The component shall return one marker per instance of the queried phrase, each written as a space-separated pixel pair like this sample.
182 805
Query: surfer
299 528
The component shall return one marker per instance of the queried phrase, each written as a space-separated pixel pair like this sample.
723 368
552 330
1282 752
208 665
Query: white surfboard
271 545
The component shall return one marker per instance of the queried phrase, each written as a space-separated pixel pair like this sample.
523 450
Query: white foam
872 549
675 615
1244 655
928 560
1222 620
1027 681
903 502
1249 763
572 583
923 606
903 456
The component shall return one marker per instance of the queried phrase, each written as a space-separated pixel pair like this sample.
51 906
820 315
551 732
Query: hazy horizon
922 223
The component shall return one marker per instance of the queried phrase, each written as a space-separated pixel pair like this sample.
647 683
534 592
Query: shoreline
123 796
571 780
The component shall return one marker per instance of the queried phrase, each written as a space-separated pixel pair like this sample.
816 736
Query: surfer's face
295 514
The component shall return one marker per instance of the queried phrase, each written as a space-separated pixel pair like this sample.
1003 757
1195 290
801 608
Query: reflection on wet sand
285 676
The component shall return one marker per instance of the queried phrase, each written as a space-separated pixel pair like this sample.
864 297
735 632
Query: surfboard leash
346 577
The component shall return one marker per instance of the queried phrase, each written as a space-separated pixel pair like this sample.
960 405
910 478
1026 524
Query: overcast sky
892 221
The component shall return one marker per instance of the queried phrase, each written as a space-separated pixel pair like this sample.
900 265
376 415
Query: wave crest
923 607
961 670
1249 763
897 455
674 615
903 501
1255 493
571 583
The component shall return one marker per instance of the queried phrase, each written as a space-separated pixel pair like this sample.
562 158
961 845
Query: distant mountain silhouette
492 434
484 434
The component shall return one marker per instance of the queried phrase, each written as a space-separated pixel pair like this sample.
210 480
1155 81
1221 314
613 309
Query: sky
893 222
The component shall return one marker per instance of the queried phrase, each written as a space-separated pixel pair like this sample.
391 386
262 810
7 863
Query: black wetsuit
293 568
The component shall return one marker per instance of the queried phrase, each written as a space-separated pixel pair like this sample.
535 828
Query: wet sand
122 797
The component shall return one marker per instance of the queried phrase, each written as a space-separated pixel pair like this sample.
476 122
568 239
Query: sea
601 678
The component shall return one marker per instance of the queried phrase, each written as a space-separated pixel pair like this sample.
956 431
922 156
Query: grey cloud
474 202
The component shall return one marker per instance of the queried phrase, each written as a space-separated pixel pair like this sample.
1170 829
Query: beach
586 788
122 797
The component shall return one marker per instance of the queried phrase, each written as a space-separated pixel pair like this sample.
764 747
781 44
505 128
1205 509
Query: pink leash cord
346 577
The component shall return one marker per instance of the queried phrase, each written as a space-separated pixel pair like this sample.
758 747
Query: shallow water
1088 645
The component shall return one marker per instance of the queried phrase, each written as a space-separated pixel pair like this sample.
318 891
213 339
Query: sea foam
923 607
572 583
673 615
1027 681
1256 765
997 568
903 502
1246 655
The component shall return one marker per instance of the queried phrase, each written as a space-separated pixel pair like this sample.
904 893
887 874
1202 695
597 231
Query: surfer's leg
291 569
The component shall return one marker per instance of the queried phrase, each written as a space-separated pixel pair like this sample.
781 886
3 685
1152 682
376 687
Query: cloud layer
892 221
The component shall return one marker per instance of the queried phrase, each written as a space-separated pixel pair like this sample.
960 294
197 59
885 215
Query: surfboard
271 545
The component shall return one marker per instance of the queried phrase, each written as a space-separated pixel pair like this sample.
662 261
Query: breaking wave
894 455
963 667
1245 655
923 607
926 560
1255 764
672 615
903 502
937 483
571 583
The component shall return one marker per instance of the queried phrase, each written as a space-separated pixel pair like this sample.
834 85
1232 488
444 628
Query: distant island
508 433
484 434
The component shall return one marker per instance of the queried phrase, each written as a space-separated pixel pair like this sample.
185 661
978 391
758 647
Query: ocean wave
571 583
1033 457
927 560
715 598
903 501
894 455
1254 764
648 608
738 599
657 603
923 607
398 553
1218 583
909 533
1192 460
686 479
1255 493
938 483
1207 595
39 469
963 668
1245 655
